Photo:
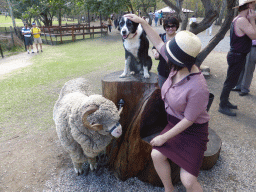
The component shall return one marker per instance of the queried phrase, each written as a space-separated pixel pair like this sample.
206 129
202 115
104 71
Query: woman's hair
243 7
171 20
173 66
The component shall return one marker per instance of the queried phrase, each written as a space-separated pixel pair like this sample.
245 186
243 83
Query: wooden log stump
143 118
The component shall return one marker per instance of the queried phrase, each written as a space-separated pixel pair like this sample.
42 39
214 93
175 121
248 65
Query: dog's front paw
146 76
122 75
132 72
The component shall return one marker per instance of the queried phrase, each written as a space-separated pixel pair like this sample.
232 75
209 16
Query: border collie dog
136 47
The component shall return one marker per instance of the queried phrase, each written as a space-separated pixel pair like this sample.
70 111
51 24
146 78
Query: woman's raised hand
135 18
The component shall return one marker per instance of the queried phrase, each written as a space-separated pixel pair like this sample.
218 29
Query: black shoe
226 111
231 106
243 93
235 89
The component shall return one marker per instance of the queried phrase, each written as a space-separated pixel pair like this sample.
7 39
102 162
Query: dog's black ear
134 27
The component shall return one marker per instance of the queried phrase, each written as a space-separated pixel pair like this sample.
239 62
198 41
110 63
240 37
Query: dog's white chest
132 46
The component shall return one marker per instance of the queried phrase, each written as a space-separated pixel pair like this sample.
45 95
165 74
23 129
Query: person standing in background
37 39
28 38
192 19
109 23
209 30
161 17
242 32
156 18
245 78
171 25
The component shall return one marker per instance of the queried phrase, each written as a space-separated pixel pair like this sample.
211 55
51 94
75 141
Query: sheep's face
115 130
106 115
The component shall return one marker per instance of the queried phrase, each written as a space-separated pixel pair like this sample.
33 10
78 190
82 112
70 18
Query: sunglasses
170 26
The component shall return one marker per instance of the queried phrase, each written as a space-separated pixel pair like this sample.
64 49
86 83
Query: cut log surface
143 118
213 150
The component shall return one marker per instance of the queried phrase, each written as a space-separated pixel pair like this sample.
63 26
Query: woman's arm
248 25
152 34
178 128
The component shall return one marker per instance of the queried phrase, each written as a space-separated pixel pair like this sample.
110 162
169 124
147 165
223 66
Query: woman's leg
190 181
163 169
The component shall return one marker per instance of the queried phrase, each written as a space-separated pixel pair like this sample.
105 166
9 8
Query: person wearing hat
37 39
242 32
28 39
185 95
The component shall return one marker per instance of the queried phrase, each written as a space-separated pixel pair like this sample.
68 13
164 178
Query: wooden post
1 51
11 31
50 35
143 118
45 36
83 31
60 28
73 35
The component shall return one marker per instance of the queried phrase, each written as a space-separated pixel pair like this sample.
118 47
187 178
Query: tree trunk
11 13
223 7
59 17
220 35
143 118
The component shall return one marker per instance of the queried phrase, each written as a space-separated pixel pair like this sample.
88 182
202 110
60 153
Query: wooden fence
50 35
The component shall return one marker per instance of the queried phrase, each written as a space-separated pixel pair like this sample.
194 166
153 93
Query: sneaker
226 111
41 50
28 52
33 52
37 51
231 106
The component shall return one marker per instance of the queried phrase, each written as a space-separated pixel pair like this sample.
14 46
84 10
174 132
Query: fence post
11 31
50 35
60 29
73 38
83 31
1 51
45 36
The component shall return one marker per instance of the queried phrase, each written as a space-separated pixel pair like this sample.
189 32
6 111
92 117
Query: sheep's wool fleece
68 112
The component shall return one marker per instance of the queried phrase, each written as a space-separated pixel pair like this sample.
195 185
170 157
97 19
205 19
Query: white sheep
85 124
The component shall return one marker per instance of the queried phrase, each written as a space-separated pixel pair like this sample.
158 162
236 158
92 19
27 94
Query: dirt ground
29 160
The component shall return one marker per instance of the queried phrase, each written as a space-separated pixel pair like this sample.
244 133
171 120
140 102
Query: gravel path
9 64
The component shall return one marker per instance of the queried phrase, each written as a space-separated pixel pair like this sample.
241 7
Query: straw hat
183 49
242 2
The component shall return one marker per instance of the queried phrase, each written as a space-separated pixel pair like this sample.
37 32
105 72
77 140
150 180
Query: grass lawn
28 95
7 22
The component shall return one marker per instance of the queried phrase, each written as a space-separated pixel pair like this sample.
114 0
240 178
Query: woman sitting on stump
185 94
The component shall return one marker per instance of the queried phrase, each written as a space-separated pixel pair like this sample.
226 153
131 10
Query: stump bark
143 118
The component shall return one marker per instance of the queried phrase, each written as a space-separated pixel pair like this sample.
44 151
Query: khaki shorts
37 40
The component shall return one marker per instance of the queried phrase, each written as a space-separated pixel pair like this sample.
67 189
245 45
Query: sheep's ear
91 109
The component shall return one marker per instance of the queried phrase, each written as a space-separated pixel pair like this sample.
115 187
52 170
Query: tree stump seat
143 118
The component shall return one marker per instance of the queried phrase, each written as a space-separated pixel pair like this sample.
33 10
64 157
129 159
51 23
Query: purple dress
186 99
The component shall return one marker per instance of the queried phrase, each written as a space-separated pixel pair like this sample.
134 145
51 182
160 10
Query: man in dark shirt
242 31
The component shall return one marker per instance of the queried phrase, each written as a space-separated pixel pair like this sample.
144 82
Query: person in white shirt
192 19
156 18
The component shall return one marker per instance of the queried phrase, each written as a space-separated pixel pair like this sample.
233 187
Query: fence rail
59 32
